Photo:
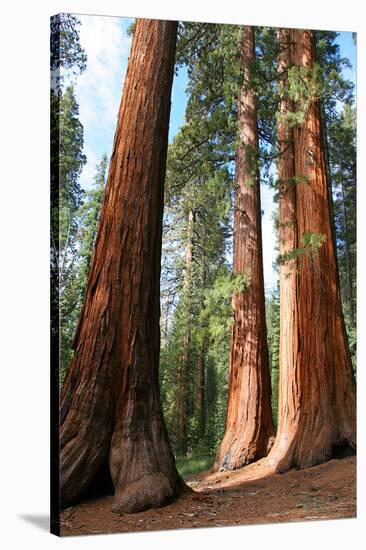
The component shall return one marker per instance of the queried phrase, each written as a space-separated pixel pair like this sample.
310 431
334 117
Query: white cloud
99 87
98 90
89 170
268 237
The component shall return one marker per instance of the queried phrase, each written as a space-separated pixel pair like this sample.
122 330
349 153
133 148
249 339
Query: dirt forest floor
252 495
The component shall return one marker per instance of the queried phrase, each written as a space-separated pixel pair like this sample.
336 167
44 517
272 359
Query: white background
24 294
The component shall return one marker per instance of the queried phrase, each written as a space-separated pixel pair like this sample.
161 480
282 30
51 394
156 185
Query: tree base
237 456
300 454
151 491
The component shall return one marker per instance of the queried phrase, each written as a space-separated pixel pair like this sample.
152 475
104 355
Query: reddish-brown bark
249 424
110 403
316 418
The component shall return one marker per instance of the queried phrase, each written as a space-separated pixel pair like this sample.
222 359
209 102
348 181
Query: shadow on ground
250 496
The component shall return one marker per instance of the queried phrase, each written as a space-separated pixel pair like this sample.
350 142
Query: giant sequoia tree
110 404
317 391
249 424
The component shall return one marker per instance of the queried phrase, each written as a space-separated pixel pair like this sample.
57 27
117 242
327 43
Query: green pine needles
311 244
303 86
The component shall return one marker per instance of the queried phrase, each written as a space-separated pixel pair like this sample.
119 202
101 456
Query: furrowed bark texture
110 403
249 424
317 391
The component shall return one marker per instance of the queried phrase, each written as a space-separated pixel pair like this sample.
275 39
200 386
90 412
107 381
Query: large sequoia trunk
110 403
317 389
249 424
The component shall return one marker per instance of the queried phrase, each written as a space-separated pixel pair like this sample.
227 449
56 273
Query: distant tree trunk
182 398
317 389
199 398
249 424
183 359
200 391
110 402
349 270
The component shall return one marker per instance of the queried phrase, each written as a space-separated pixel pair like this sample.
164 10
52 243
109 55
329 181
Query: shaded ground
252 495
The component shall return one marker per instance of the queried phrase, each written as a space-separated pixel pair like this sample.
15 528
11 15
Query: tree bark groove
249 425
317 409
110 402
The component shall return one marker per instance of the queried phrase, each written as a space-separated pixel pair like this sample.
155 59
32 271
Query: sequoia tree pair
317 403
316 390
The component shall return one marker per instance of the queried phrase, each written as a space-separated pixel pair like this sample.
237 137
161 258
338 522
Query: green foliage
192 465
88 218
311 243
185 330
335 88
67 161
64 217
198 207
217 389
66 52
131 29
72 291
211 53
342 168
303 86
339 130
282 186
217 314
273 337
71 162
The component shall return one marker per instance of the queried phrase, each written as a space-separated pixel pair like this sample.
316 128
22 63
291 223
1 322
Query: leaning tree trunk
317 389
249 424
110 403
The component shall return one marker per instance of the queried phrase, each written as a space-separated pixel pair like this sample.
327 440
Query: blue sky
98 92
